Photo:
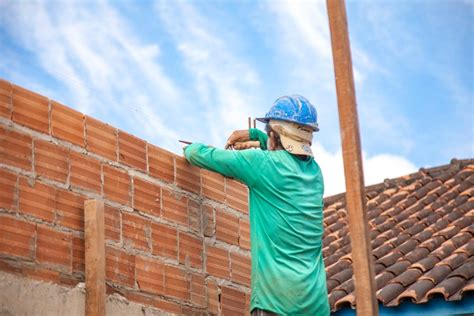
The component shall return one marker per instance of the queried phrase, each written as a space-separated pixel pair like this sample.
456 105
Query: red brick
15 149
146 196
5 99
112 223
248 296
241 268
160 163
135 230
232 301
70 280
67 124
194 215
132 151
212 297
150 275
51 161
176 283
85 172
190 250
236 195
198 290
101 138
42 274
30 109
167 306
37 200
187 176
213 185
9 266
175 207
227 227
78 254
116 185
7 189
139 297
244 234
54 247
16 237
218 262
119 267
70 210
209 221
165 240
154 301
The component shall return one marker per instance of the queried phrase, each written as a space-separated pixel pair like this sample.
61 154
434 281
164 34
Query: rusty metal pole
355 193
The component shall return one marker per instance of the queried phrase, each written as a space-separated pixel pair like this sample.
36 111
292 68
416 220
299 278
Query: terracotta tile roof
422 228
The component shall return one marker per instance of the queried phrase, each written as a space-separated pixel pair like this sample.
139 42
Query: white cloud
386 166
377 168
299 32
104 70
225 85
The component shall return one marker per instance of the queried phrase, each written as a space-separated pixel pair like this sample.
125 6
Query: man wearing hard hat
286 206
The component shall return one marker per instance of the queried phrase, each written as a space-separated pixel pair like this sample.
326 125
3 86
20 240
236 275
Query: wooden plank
366 302
94 257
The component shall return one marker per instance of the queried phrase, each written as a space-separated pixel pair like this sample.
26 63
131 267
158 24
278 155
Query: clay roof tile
437 274
398 267
467 288
422 236
468 248
337 267
417 290
466 271
454 260
408 246
461 238
417 254
334 296
408 277
425 264
382 279
348 300
389 292
382 250
446 288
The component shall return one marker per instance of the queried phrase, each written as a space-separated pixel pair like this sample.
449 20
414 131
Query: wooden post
355 193
95 257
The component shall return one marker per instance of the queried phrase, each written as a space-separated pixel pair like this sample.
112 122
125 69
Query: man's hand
247 145
238 136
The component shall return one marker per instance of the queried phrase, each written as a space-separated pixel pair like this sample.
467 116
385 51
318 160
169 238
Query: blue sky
195 70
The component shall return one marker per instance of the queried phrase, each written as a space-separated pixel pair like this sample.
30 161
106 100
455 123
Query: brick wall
177 237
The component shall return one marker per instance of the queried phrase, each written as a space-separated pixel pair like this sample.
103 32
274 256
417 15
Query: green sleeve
243 165
256 134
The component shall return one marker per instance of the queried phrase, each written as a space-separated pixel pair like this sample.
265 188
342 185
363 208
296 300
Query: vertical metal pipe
355 193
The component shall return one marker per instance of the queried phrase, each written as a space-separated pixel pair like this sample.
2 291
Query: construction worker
286 207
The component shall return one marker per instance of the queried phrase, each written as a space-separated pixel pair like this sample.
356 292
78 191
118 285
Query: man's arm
242 165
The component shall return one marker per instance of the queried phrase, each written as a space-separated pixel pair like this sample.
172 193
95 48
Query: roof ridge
433 172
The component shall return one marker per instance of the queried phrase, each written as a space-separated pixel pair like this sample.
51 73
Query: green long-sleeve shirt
286 224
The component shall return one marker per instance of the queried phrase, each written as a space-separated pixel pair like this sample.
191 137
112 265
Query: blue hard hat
294 108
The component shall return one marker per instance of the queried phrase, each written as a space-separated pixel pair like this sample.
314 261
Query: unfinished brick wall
177 237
